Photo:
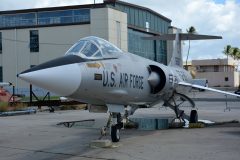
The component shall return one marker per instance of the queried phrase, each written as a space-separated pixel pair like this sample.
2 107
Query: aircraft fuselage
124 81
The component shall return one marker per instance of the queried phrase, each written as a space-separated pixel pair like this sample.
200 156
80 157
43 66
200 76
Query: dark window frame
0 42
34 40
216 68
1 74
45 18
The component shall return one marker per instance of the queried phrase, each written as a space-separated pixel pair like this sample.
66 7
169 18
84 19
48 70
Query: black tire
193 116
119 118
51 110
115 133
119 125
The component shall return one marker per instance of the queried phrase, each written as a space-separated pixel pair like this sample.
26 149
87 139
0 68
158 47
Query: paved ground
38 137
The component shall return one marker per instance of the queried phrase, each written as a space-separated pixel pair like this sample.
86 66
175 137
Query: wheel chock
101 143
196 125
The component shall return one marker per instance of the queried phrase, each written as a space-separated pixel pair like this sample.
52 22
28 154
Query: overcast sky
217 17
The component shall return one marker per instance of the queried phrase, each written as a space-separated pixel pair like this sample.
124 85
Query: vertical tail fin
176 59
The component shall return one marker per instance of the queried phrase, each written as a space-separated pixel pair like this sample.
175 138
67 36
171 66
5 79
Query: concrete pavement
38 137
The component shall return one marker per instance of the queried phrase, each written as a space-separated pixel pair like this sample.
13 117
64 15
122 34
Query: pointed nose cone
62 79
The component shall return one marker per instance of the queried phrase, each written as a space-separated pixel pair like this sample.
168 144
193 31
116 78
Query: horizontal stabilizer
182 36
207 88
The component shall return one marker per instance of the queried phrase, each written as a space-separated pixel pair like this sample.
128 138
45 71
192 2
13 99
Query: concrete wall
216 70
16 56
104 25
218 78
207 62
115 17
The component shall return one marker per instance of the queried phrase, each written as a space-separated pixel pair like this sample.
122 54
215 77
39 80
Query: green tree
238 55
190 30
228 50
235 53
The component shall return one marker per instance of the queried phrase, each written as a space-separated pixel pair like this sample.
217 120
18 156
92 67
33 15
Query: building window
139 46
0 42
34 41
154 50
118 26
45 18
64 17
81 15
216 68
226 79
15 20
1 74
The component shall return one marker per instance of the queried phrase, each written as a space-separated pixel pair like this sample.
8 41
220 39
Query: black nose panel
70 59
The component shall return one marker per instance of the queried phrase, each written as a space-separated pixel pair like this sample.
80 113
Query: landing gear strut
115 124
51 109
178 100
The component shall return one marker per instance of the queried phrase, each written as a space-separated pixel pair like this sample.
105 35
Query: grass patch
19 107
73 107
3 106
27 98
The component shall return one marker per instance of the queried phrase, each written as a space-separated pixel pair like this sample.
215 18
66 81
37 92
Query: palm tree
238 54
228 50
191 30
235 53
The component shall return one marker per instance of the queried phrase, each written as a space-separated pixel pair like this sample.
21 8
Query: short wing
186 36
182 36
206 88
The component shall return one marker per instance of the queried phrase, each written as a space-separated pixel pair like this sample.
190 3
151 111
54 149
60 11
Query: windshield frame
100 44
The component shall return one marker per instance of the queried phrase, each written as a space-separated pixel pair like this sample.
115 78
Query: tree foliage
190 30
233 52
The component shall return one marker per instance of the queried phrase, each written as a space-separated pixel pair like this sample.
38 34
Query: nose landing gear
115 121
115 133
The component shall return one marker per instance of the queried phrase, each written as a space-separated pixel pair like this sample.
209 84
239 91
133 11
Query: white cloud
19 4
206 16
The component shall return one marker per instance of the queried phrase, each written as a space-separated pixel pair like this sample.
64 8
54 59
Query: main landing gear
176 101
193 116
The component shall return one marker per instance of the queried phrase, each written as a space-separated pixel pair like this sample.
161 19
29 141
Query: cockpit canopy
94 48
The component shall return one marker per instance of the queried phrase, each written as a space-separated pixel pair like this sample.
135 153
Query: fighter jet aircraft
98 73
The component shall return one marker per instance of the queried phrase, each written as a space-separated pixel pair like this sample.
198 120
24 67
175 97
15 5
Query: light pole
16 64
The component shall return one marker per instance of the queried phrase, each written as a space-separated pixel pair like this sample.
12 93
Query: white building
218 72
